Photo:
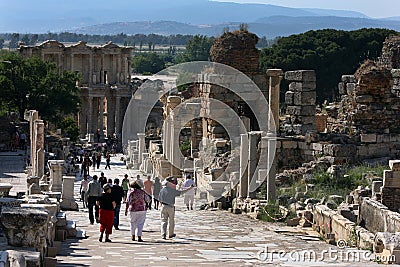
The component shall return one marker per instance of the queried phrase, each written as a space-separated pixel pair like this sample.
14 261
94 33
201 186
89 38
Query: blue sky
371 8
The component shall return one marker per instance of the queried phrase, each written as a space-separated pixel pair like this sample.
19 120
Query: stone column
271 183
142 145
166 138
39 153
68 201
244 150
110 115
33 115
117 114
275 76
252 153
56 167
102 70
91 69
72 62
82 117
101 116
95 115
89 117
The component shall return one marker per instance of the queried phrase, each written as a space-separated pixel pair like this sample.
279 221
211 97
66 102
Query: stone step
71 229
61 219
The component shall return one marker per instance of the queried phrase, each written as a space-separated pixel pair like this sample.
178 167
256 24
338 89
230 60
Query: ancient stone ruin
105 89
33 227
362 127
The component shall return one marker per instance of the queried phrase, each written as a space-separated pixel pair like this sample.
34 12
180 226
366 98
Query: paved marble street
204 238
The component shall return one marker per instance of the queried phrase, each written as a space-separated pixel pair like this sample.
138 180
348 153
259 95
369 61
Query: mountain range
174 17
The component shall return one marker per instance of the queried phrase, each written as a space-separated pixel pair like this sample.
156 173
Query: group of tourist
18 140
93 159
105 198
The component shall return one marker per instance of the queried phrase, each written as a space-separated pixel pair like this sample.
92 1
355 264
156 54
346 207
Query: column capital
274 72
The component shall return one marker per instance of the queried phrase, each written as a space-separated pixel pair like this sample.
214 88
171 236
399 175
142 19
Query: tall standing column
252 152
244 150
110 115
82 117
142 145
101 116
39 153
89 117
117 114
91 69
275 76
33 115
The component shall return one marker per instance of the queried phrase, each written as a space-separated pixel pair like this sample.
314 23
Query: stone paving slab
204 238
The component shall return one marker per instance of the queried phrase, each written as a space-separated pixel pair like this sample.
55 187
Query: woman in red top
136 205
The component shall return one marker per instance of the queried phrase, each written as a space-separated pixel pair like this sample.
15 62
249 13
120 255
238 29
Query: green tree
331 53
70 128
197 49
35 84
147 62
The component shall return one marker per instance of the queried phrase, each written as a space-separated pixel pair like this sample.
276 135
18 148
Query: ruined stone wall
396 82
376 217
391 186
390 57
300 102
238 50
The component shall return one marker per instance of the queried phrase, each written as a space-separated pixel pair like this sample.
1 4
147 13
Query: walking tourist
94 160
83 189
167 197
98 160
22 141
136 205
189 195
106 205
125 186
156 192
108 159
102 179
92 193
118 194
148 188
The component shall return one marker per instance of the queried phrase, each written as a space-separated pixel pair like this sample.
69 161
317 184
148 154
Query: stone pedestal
56 175
39 152
244 150
32 183
25 227
142 145
68 201
271 183
252 186
33 115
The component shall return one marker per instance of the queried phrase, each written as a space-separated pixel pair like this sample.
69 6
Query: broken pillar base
69 204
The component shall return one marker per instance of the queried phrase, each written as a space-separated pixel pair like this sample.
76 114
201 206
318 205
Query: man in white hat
167 197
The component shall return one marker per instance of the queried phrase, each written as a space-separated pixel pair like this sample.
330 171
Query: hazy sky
371 8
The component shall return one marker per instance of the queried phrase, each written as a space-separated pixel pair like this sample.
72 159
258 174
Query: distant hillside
48 15
270 27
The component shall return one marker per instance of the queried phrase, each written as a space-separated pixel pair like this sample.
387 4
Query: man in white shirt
189 195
